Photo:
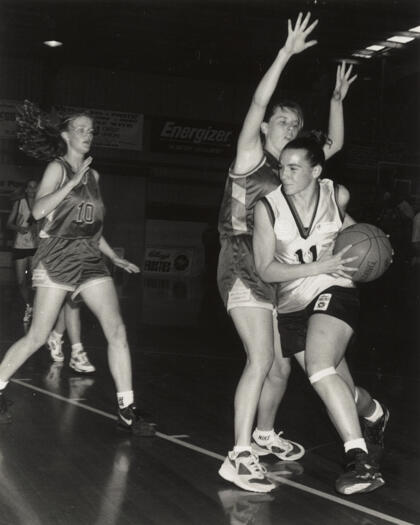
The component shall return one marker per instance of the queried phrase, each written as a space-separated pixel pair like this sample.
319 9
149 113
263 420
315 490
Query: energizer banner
197 137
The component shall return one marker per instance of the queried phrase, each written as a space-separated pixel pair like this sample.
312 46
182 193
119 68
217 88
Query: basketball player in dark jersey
69 259
249 300
295 227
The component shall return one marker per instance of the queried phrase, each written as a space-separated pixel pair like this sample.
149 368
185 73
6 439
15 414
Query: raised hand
343 81
80 173
296 37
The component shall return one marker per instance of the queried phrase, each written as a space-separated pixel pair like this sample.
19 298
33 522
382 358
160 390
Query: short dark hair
312 142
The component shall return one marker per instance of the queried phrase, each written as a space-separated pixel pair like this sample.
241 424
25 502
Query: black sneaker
5 416
360 474
374 432
132 420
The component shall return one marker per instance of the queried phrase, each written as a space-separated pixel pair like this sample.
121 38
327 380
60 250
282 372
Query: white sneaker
55 347
275 444
245 471
79 361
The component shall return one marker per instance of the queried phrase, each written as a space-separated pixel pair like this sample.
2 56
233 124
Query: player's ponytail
39 133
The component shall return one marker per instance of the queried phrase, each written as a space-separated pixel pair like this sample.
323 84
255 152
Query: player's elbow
262 270
37 212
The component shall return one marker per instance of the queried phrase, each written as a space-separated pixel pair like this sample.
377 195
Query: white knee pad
321 374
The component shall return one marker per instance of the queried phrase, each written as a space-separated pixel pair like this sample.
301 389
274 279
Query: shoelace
82 358
255 466
281 442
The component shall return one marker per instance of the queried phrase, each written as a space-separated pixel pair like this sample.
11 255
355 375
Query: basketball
370 245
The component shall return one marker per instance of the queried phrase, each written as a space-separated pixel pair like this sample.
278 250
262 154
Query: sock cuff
355 443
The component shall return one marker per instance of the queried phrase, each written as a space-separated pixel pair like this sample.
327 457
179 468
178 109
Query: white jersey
25 241
296 244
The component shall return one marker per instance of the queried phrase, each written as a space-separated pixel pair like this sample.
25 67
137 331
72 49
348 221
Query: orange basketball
370 245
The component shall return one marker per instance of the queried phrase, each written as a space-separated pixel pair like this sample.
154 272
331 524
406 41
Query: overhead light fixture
53 43
375 47
361 55
415 29
401 39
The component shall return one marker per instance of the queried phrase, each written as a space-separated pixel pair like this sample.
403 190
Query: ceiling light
53 43
375 47
401 39
361 55
415 29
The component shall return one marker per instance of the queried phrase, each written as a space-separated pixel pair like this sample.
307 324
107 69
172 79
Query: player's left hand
343 81
126 265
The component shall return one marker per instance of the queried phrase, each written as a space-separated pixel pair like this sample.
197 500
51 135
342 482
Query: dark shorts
336 301
69 264
236 261
22 253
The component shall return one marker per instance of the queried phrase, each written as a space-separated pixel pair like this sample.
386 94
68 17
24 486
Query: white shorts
41 279
241 296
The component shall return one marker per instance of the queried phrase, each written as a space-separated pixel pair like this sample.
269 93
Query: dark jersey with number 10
80 214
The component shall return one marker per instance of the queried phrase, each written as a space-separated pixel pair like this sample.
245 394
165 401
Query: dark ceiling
229 40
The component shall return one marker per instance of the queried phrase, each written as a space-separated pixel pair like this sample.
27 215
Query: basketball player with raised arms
69 259
248 299
295 227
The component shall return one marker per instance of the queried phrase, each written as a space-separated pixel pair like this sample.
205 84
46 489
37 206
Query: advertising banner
197 137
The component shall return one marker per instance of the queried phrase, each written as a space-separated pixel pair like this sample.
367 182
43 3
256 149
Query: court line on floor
284 481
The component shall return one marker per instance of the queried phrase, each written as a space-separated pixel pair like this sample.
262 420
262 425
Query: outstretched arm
336 121
249 148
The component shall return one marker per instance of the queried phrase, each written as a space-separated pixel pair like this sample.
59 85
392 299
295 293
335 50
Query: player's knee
315 377
280 371
261 364
117 332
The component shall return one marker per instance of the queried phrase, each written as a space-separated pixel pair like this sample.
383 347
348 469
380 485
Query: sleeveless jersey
25 241
236 216
80 214
298 245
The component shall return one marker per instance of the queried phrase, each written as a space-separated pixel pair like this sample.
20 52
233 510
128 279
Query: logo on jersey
323 302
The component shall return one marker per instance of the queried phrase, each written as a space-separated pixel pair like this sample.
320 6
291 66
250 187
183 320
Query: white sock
55 335
262 436
378 412
3 384
355 443
238 449
77 347
125 398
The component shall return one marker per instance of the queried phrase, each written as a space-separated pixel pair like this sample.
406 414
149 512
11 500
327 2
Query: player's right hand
296 36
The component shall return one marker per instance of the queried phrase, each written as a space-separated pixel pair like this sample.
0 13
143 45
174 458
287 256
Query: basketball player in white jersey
295 226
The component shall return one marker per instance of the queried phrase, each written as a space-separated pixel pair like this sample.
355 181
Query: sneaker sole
229 474
361 488
142 429
80 371
265 452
